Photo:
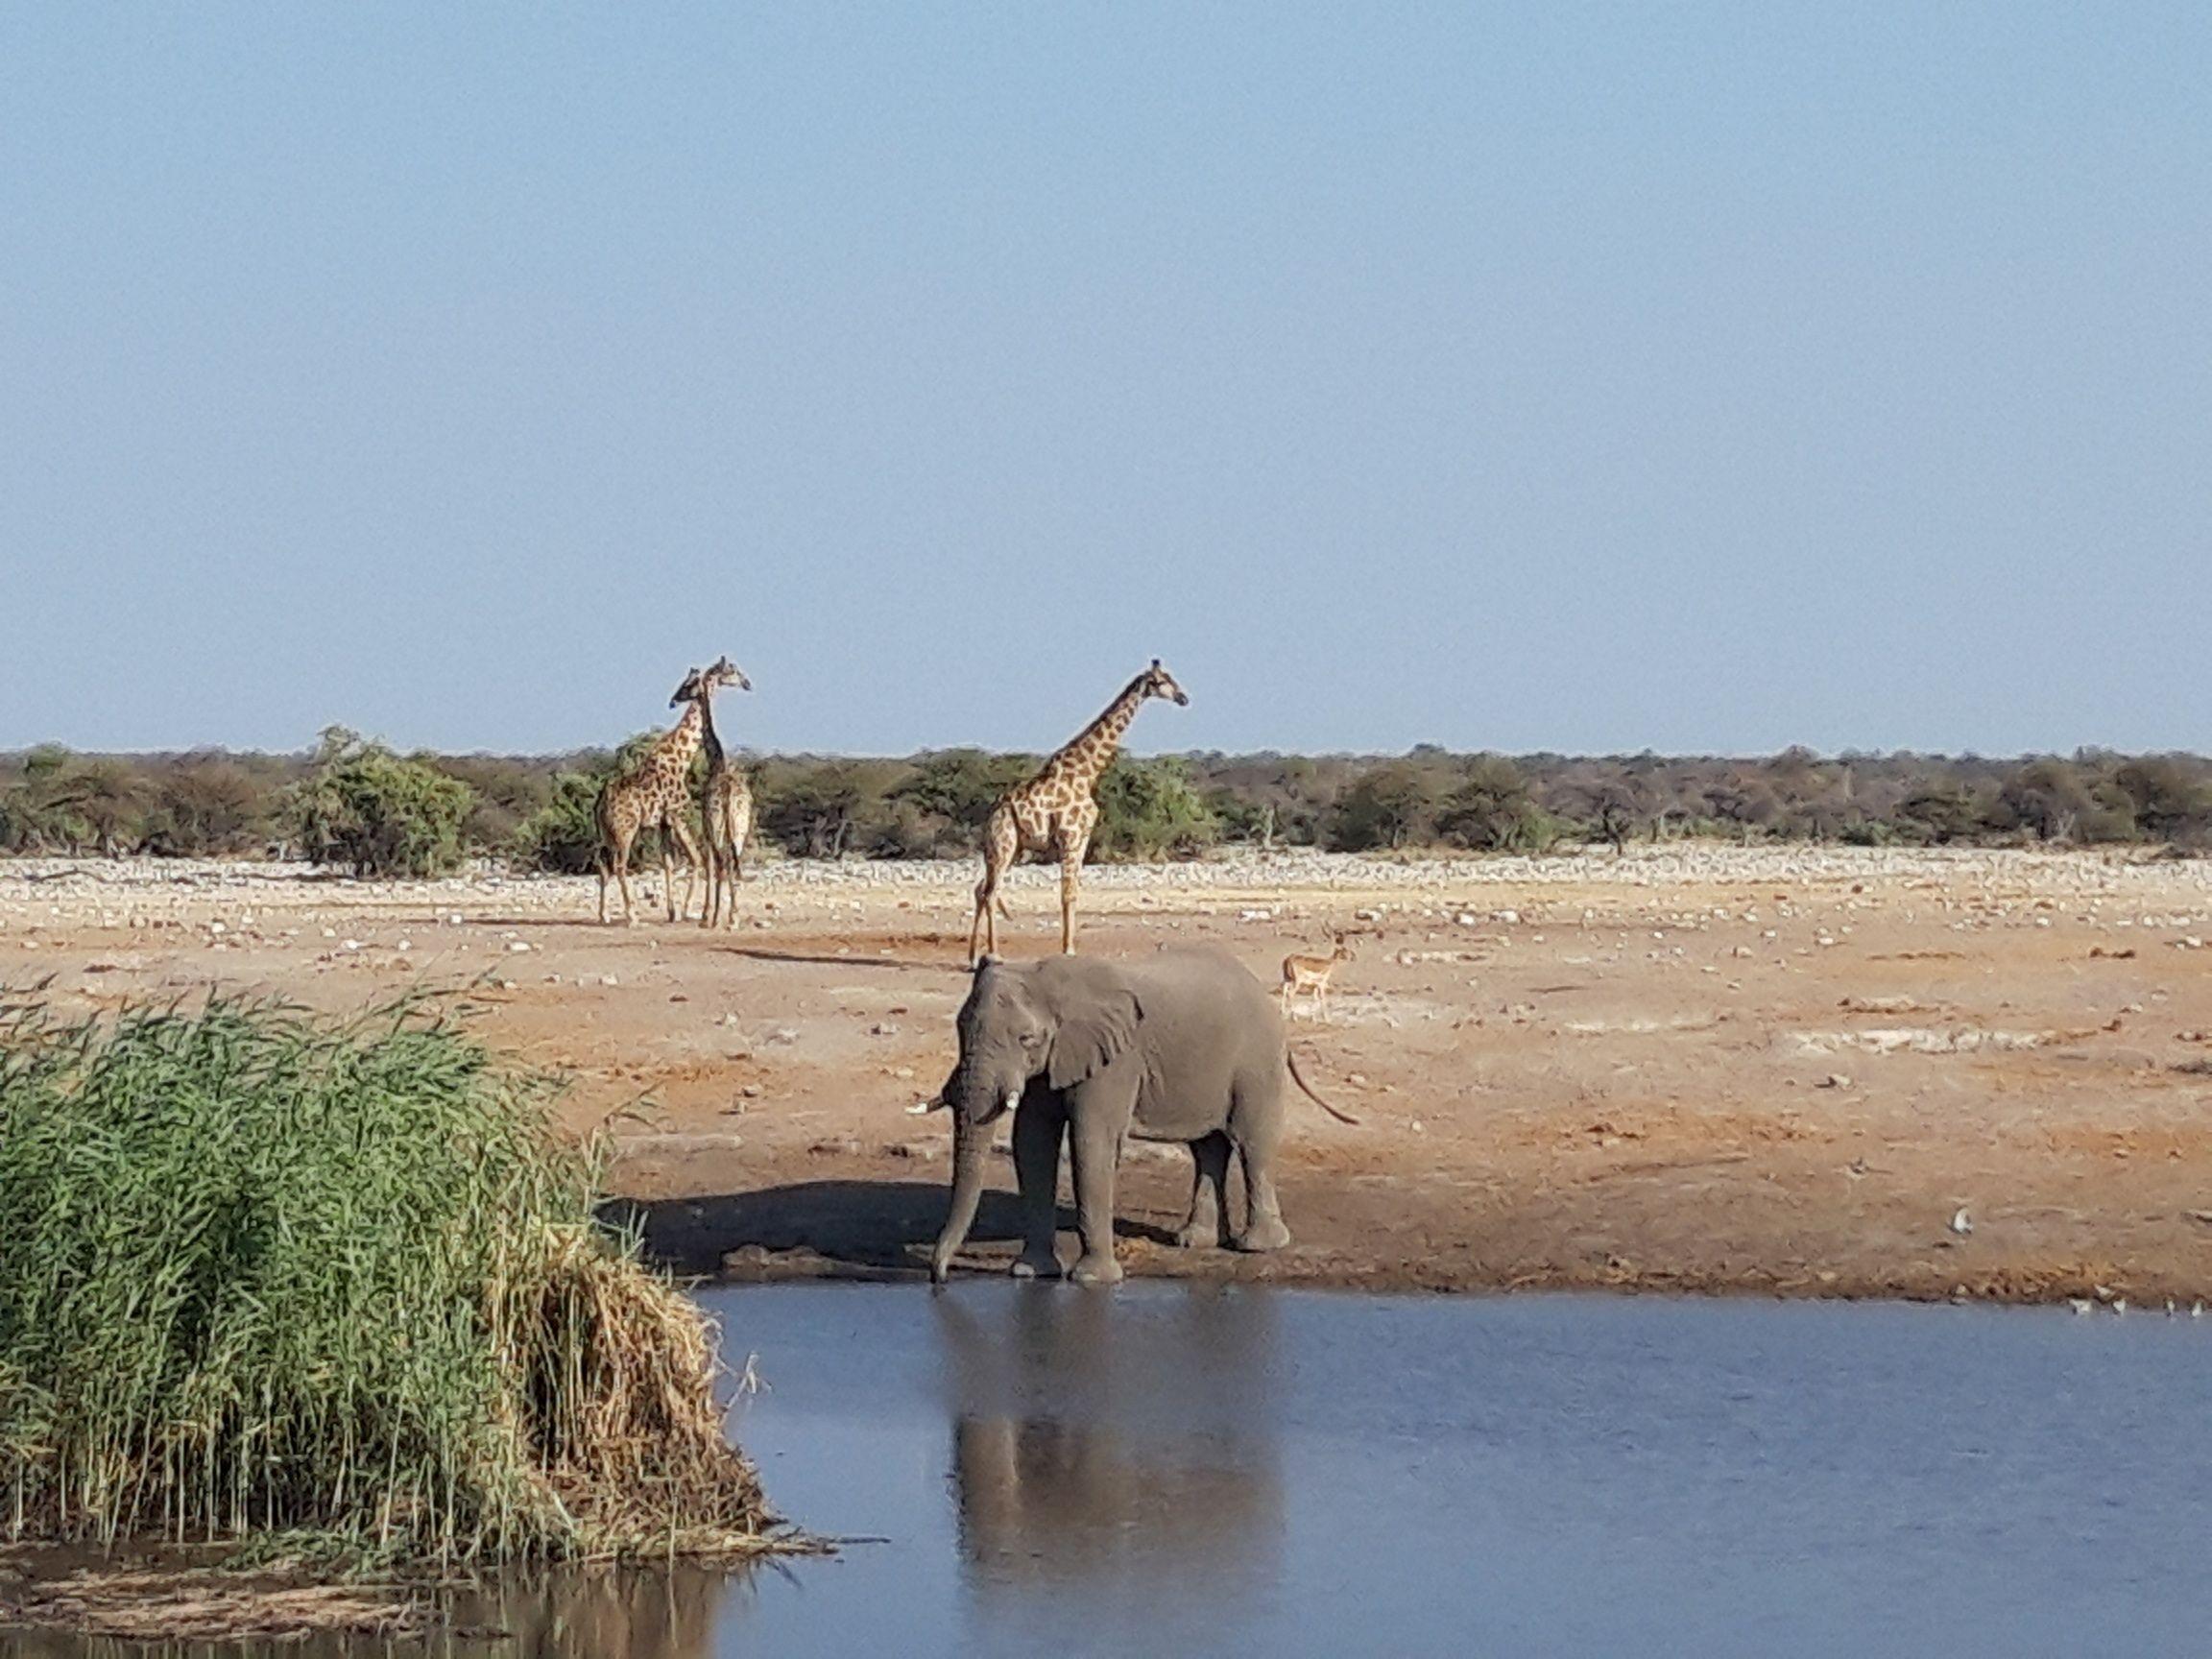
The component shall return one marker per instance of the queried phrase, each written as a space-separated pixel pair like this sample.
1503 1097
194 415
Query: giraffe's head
721 674
1159 683
702 683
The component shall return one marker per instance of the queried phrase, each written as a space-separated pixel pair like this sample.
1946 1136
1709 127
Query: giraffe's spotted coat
1055 813
656 792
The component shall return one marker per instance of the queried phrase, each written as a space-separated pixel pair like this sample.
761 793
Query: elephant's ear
1091 1034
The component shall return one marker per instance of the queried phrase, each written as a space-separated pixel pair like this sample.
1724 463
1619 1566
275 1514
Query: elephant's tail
1299 1078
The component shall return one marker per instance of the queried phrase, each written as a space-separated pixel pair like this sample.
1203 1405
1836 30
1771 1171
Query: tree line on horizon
359 804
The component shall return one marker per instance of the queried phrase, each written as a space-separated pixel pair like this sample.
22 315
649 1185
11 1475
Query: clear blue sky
1539 376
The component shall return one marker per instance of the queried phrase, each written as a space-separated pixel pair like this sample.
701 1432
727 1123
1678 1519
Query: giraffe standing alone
727 811
657 791
1054 813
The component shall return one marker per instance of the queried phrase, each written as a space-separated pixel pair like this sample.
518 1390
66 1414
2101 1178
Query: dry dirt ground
1701 1067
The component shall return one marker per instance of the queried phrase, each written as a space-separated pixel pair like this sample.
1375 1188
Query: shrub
62 802
1492 811
1391 805
2170 798
961 786
561 837
207 805
378 813
1151 809
823 808
506 793
1941 816
269 1274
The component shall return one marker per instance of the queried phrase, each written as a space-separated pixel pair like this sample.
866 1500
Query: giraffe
1054 812
656 790
727 811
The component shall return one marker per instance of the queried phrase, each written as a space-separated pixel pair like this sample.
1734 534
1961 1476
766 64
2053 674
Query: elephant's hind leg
1256 1122
1202 1228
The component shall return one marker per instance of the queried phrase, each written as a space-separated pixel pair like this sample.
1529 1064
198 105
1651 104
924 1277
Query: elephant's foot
1095 1270
1037 1262
1199 1236
1266 1233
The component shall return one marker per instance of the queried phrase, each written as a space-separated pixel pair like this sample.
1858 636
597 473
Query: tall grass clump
338 1284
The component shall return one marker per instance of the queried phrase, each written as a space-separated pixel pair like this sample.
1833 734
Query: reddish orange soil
1755 1079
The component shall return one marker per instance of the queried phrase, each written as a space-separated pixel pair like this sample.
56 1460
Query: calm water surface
1235 1470
1231 1471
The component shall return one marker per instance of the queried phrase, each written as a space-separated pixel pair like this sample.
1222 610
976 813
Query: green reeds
266 1276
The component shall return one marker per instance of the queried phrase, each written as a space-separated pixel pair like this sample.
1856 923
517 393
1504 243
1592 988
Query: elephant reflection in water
1099 1437
610 1612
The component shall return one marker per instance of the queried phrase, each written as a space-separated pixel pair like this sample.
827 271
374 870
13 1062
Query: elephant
1184 1044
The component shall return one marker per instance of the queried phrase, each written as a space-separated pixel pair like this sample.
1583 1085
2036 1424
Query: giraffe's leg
680 834
985 890
738 842
625 837
1071 866
715 878
995 858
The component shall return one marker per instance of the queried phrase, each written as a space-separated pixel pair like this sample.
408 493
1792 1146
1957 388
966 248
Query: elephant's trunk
971 1144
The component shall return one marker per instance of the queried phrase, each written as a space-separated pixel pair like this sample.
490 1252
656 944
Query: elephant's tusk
923 1108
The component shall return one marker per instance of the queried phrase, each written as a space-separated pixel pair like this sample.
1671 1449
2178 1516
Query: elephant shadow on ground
1100 1440
868 1227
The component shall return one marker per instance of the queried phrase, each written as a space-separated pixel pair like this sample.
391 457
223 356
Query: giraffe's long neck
709 739
682 739
1093 748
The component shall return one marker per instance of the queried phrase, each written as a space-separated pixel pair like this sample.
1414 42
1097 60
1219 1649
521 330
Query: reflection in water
612 1613
1092 1440
1170 1469
609 1613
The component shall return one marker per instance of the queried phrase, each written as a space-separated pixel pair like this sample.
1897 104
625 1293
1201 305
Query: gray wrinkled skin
1184 1044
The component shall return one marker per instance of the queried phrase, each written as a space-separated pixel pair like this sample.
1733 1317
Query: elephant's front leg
1209 1194
1039 1127
1094 1146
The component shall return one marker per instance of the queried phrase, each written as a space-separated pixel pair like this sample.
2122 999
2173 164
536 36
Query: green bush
1494 812
65 803
337 1282
961 786
1151 809
1390 805
207 805
818 809
561 837
377 813
2169 796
